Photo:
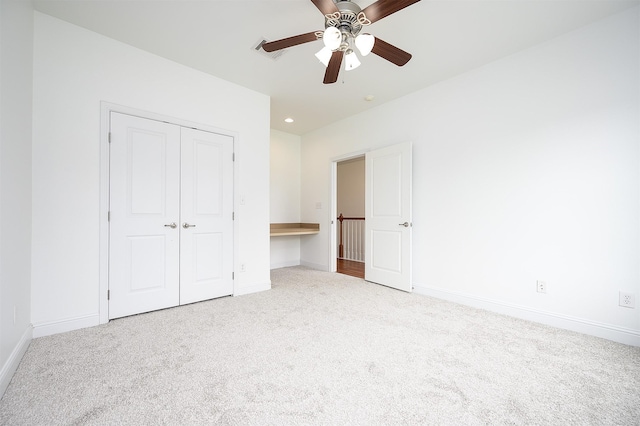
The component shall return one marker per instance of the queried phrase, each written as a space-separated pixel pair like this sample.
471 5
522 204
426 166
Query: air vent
273 55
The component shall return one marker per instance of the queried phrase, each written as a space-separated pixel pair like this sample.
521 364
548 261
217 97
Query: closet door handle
406 224
172 225
187 226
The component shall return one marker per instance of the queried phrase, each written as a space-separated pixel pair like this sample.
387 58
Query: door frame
106 108
333 210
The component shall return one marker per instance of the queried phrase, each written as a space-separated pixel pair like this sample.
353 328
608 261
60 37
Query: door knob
172 225
406 224
187 226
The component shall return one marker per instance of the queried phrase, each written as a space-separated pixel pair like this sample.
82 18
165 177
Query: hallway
350 267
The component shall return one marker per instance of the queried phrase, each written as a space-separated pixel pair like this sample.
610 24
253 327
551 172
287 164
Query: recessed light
288 120
369 98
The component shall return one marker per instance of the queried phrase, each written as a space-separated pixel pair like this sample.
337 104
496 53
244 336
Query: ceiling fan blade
272 46
378 10
325 6
390 52
333 69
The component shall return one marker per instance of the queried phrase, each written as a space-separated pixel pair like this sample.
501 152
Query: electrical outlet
627 300
541 286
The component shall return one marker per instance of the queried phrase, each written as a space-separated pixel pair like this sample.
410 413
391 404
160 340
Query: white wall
16 63
525 169
350 187
74 70
285 196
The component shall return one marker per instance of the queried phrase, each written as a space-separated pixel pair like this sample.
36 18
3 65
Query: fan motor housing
347 20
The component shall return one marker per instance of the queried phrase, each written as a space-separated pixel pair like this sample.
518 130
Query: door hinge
233 156
108 294
108 216
233 215
109 137
233 275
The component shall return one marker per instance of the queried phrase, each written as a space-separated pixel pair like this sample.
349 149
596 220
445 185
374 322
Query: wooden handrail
341 246
341 218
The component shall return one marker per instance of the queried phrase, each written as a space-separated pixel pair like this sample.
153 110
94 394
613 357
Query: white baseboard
255 288
285 264
315 266
47 328
9 368
606 331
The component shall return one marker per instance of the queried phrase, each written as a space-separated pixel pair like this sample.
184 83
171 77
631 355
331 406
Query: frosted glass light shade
364 43
324 55
351 61
332 37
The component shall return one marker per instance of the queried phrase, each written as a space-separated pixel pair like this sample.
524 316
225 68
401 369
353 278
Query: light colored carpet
323 348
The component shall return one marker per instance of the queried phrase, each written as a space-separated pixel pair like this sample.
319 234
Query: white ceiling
446 38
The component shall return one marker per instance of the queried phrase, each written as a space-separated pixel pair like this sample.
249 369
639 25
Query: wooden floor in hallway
350 267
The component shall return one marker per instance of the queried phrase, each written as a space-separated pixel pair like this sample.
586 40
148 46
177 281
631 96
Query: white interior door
388 216
206 223
144 215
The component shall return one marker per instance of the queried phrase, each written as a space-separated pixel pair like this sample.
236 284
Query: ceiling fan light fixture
364 43
332 38
344 21
324 55
351 60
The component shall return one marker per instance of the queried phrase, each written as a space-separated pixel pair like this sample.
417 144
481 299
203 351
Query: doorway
350 229
387 215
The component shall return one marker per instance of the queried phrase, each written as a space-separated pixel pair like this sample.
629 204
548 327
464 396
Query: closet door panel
206 246
144 202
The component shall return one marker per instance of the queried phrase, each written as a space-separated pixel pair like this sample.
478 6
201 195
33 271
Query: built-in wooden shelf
283 229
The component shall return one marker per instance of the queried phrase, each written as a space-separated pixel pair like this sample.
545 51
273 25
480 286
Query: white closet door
144 215
206 224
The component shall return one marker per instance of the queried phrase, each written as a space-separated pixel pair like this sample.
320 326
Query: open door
388 216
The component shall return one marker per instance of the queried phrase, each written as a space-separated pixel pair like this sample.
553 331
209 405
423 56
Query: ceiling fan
343 24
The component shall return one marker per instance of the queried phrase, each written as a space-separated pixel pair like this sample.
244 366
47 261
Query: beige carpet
324 348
